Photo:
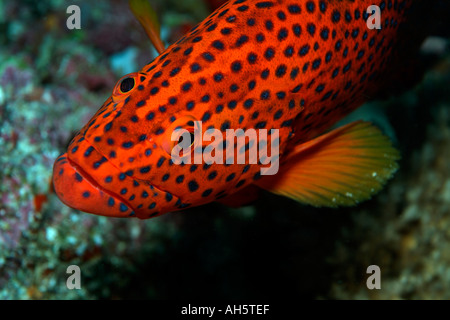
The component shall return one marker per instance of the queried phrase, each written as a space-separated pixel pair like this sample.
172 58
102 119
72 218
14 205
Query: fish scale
294 66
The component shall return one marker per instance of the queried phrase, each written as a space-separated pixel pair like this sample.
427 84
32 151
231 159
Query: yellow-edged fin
341 168
148 18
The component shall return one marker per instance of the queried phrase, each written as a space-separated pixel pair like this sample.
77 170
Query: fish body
295 66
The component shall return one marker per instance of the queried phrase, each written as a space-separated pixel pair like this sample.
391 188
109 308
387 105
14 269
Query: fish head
122 162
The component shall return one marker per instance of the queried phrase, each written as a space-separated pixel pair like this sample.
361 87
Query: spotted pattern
297 66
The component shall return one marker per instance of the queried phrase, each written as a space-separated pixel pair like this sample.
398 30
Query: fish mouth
84 179
95 184
79 190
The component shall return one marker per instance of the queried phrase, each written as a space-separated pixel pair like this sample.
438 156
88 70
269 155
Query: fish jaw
80 191
84 179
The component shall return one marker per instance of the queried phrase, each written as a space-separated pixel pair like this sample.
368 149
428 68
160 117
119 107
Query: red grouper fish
285 70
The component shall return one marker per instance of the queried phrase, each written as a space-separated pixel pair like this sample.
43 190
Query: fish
294 67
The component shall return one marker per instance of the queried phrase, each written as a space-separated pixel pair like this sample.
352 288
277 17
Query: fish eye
125 86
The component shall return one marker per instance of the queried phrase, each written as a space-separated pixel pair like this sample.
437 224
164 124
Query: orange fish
292 66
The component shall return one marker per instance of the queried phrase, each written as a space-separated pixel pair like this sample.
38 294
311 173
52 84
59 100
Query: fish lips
78 190
84 179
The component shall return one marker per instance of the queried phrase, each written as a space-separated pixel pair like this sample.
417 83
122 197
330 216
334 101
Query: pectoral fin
341 168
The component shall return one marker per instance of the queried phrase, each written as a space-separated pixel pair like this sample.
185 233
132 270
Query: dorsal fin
148 18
